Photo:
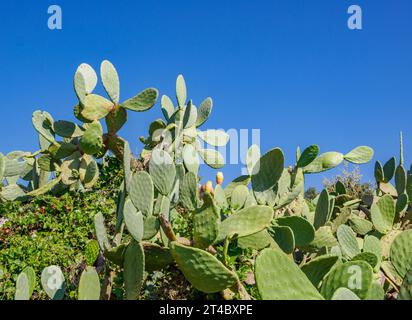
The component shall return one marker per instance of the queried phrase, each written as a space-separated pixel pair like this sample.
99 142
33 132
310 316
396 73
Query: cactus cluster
336 246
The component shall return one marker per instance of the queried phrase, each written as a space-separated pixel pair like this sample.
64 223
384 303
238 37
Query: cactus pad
246 222
133 220
133 270
401 252
141 192
89 285
359 155
201 269
354 275
163 171
383 214
143 101
303 231
347 241
318 268
52 281
279 278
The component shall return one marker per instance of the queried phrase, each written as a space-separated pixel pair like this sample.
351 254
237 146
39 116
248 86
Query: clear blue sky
291 68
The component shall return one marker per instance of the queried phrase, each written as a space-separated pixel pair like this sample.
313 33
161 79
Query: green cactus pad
246 222
53 282
354 275
89 76
22 287
268 170
143 101
252 157
242 180
257 241
400 179
110 80
284 238
190 115
239 197
206 223
133 270
62 150
279 278
141 192
89 285
383 214
324 238
96 107
91 252
151 227
303 231
79 84
181 92
163 171
89 172
405 292
212 158
389 169
101 233
373 245
378 172
46 163
67 129
156 257
116 119
189 192
308 156
318 268
31 276
201 269
70 169
220 197
92 139
376 292
116 255
216 138
368 257
322 210
401 203
359 155
190 158
167 107
324 162
347 241
401 252
204 111
43 125
359 225
133 220
344 294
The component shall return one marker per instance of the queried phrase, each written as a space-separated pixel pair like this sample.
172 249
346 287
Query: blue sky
291 68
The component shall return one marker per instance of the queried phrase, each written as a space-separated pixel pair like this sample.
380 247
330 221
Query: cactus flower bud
219 178
208 187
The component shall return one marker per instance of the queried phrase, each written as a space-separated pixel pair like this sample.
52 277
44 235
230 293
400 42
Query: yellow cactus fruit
219 178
